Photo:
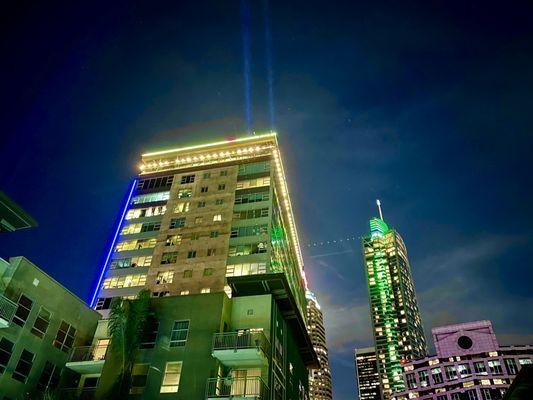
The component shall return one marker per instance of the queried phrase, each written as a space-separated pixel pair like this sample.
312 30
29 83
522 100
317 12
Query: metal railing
241 340
88 353
77 393
229 388
7 308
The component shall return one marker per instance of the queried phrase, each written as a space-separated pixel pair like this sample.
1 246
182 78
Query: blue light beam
113 242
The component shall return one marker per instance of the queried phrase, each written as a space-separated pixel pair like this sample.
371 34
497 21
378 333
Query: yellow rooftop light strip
200 146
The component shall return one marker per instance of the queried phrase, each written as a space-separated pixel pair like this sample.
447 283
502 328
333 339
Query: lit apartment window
124 281
495 367
169 258
525 361
254 230
247 249
173 240
219 202
139 376
150 198
177 222
191 254
211 252
164 277
135 245
184 292
131 262
131 229
23 368
41 322
182 207
204 189
187 179
65 337
464 370
217 217
179 333
206 290
213 234
222 186
23 310
250 183
146 212
6 349
184 193
171 377
208 271
198 220
187 273
224 172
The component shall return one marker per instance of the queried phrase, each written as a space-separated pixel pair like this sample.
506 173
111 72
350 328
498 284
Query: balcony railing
239 340
88 353
236 388
7 310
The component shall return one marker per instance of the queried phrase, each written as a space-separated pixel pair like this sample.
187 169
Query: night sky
425 106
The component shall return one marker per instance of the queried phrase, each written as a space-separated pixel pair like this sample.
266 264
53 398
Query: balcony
241 349
77 393
7 310
87 359
236 388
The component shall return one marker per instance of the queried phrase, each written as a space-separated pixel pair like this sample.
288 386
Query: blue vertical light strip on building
113 242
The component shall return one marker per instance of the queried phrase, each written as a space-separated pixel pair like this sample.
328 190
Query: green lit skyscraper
397 328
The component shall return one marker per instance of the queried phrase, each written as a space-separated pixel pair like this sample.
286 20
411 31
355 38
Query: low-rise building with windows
469 365
40 323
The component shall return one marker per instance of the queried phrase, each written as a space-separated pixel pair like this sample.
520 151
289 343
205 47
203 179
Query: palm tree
127 319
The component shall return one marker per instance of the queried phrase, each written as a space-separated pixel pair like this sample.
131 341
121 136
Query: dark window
90 382
201 204
214 234
204 189
224 172
219 202
177 223
163 182
23 310
41 323
191 254
208 271
222 186
187 179
211 252
151 226
6 349
103 303
249 214
187 273
149 335
252 197
207 175
139 377
510 364
65 337
49 377
23 368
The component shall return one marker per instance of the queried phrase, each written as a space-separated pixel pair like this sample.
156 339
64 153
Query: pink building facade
469 365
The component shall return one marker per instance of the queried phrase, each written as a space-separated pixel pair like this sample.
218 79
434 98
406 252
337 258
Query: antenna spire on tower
379 209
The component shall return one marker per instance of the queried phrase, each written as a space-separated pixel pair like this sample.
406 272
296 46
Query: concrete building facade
366 374
40 323
469 365
397 326
319 379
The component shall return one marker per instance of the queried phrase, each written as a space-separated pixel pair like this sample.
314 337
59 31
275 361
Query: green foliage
127 319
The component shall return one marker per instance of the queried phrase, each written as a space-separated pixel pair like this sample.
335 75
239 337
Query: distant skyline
424 106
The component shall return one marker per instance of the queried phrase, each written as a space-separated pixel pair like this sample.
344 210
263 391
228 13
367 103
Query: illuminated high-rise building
397 327
366 374
319 378
209 231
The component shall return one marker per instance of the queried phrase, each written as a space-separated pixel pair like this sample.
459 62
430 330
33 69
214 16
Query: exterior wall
319 379
23 277
397 327
470 375
367 376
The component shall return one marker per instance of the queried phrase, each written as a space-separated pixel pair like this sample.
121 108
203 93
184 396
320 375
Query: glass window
247 249
198 220
23 310
525 361
211 252
208 271
49 378
510 365
206 290
184 292
471 395
187 179
177 222
207 175
464 370
149 335
124 281
479 368
219 202
222 186
201 204
150 198
169 258
245 269
182 207
204 189
436 374
217 217
164 277
254 168
154 183
411 381
224 172
179 333
23 368
41 322
187 273
252 197
213 234
139 375
191 254
495 367
171 377
250 214
451 374
173 240
65 337
184 193
250 183
6 349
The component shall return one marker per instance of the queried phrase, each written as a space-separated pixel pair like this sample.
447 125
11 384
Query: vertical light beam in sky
246 61
268 56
